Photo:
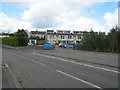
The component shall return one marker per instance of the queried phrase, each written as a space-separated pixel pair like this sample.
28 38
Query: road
106 58
35 70
0 67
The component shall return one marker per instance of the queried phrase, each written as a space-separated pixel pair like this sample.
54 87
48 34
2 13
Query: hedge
13 41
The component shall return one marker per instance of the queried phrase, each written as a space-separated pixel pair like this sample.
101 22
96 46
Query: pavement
35 70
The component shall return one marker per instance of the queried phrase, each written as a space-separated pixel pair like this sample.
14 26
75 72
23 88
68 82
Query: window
69 37
79 37
60 31
62 37
66 31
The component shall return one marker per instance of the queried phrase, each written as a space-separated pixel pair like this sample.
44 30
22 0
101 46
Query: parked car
31 44
60 45
70 46
65 45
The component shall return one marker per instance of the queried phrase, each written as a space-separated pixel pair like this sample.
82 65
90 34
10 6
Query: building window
60 31
69 37
62 37
79 37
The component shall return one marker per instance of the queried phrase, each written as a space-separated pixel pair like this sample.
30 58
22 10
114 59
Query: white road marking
78 79
102 68
33 60
78 63
38 63
6 65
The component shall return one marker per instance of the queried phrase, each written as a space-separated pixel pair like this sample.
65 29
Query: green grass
13 41
40 41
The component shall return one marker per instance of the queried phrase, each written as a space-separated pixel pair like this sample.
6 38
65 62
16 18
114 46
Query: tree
118 40
100 41
113 39
11 34
22 37
89 41
21 33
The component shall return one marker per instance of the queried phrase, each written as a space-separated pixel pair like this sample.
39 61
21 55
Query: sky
79 15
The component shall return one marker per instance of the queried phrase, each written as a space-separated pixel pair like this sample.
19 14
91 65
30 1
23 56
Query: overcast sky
58 14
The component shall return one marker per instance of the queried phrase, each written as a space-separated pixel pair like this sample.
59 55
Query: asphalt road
41 71
106 58
0 68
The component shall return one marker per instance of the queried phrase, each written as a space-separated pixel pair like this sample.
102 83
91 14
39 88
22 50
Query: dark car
65 45
70 46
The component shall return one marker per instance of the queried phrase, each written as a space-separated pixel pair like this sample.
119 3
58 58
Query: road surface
106 58
34 70
0 68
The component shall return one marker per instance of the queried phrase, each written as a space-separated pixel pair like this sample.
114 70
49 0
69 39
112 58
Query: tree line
98 41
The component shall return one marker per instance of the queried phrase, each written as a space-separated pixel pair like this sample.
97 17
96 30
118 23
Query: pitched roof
38 32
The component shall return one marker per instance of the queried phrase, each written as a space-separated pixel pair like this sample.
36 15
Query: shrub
22 41
22 37
13 41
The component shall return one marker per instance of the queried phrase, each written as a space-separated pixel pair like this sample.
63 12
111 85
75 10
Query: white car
60 45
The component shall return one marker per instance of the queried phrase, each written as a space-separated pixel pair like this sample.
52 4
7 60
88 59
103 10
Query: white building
63 36
28 33
4 35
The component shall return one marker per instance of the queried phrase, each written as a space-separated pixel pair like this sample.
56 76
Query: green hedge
0 40
13 41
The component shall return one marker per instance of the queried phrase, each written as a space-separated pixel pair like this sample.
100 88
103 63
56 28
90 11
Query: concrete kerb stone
21 47
25 47
13 76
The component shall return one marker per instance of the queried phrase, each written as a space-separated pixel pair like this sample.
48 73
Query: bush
22 41
0 40
13 41
22 37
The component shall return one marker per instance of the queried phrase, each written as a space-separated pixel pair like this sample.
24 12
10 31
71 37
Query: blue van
46 46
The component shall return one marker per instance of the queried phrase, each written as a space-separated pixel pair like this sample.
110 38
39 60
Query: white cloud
111 19
51 14
42 14
10 24
59 0
57 15
82 24
62 15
